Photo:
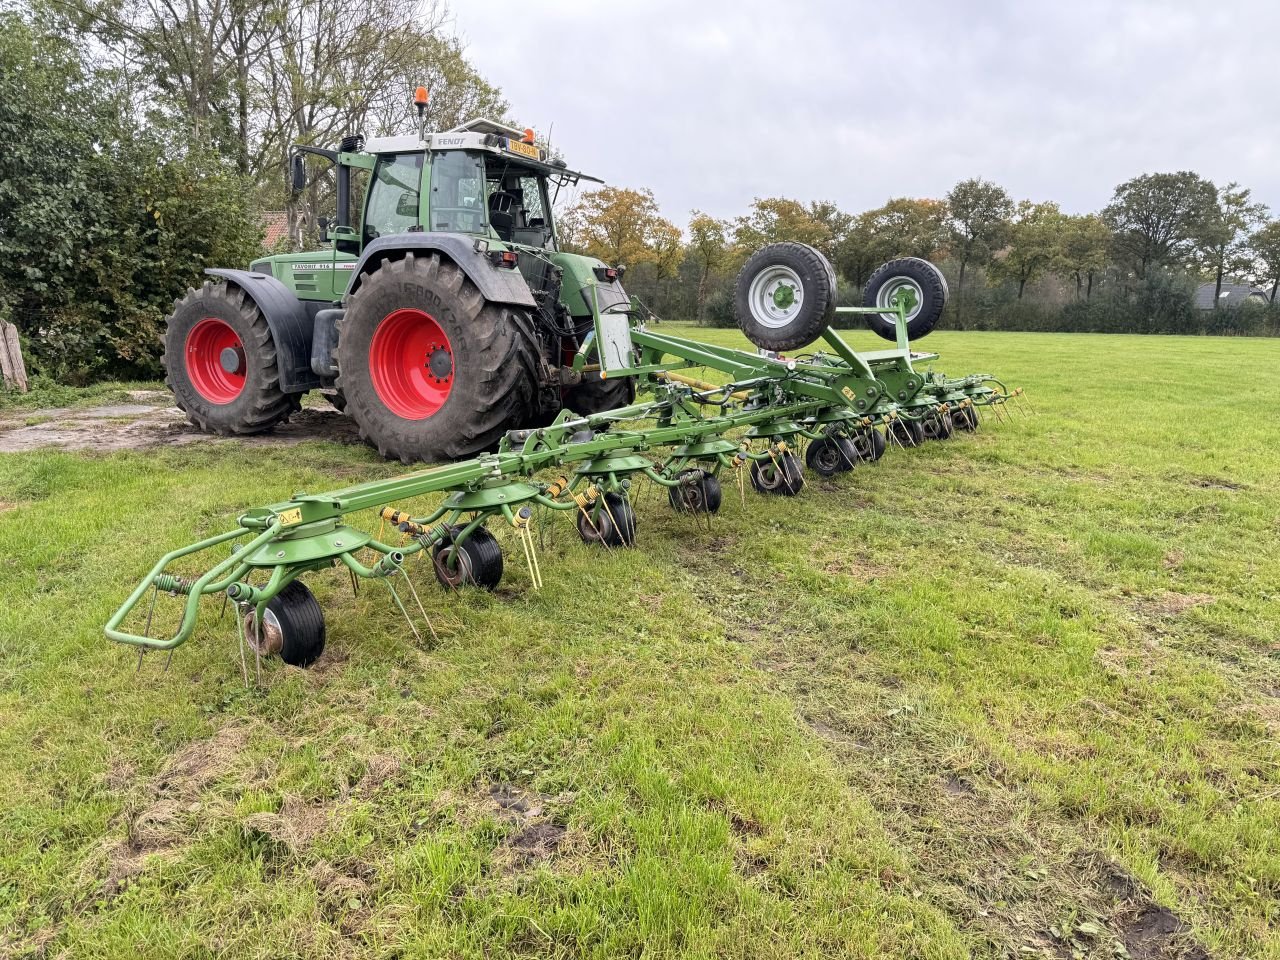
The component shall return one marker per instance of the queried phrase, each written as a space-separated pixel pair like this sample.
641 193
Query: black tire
908 433
292 626
594 395
830 455
478 563
783 478
759 293
699 492
260 403
928 285
869 444
614 527
491 364
938 426
337 401
966 418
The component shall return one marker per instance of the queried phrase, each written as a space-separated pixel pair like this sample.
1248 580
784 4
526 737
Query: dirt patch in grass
161 825
534 836
296 825
1170 604
143 426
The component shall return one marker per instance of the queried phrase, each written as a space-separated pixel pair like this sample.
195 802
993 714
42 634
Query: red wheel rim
212 347
411 364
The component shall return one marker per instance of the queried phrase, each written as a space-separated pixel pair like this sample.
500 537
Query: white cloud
713 102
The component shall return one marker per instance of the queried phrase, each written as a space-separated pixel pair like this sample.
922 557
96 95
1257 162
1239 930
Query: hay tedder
432 345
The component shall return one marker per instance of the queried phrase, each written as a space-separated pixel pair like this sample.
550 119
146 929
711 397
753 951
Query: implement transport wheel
869 443
594 395
292 627
938 426
909 433
612 523
785 296
477 561
699 492
916 280
780 475
220 362
966 418
830 455
429 368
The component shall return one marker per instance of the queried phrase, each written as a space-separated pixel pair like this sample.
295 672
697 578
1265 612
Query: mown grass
1014 694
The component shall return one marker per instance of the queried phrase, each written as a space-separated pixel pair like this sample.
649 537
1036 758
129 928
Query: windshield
393 197
457 193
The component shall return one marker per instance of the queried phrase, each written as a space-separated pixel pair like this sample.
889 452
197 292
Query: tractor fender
288 319
496 284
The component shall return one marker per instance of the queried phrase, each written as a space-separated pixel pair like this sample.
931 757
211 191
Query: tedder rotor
831 406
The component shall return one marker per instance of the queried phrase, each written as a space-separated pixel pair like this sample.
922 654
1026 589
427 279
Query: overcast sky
711 103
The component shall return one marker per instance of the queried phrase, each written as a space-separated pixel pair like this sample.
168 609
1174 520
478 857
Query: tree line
1133 266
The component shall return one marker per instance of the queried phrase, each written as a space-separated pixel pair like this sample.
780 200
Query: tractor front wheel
220 362
430 369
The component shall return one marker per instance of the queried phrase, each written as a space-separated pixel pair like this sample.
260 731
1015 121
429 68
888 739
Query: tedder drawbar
831 406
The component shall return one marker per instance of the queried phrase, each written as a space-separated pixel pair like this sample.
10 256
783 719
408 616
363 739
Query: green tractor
442 317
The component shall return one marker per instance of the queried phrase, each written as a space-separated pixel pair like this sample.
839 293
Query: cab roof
490 136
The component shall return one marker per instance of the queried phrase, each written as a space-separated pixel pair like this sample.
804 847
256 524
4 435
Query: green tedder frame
751 422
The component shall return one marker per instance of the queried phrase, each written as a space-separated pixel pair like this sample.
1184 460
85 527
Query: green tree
1265 247
709 248
1226 238
777 219
1160 219
979 213
1033 239
1083 243
619 225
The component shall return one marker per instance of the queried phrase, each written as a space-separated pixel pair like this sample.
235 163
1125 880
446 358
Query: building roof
1232 295
275 225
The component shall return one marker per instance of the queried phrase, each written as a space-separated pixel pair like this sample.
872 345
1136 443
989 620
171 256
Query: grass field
1016 694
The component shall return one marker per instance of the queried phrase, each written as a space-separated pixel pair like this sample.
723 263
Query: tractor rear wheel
220 362
429 368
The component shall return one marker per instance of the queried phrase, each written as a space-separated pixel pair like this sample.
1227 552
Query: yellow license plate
524 149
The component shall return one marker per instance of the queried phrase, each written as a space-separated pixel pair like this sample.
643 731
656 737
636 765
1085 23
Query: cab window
392 206
457 193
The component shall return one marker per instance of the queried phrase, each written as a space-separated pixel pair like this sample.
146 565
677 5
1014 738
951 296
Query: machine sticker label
848 394
290 518
308 267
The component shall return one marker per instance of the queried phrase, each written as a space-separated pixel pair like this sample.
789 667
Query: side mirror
297 174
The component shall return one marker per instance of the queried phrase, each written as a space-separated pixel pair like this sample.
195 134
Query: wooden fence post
12 370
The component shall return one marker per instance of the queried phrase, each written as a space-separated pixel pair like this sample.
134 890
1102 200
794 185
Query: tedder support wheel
785 296
699 492
292 626
220 362
780 475
909 433
476 561
966 418
924 288
429 368
830 455
612 522
938 426
869 443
